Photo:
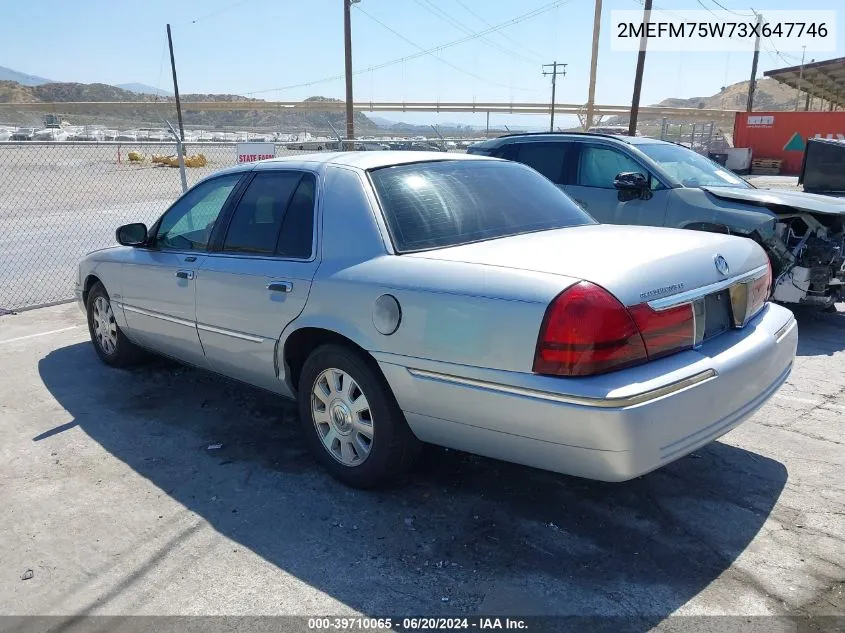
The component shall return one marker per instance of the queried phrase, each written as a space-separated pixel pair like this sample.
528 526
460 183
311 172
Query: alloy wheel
342 417
105 327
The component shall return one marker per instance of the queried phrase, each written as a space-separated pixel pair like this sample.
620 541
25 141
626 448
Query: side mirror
630 181
632 184
132 234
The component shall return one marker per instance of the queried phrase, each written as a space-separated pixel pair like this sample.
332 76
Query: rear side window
547 158
275 216
298 226
445 203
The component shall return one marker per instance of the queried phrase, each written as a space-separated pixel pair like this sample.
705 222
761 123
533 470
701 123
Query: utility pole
800 79
591 93
175 85
347 44
808 102
638 77
554 73
752 85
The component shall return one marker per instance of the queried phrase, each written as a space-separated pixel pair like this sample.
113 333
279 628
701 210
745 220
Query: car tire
109 341
352 423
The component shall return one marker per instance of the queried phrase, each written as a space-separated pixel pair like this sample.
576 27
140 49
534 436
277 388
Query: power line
440 59
660 10
161 69
448 19
783 56
680 17
744 15
493 29
503 35
706 8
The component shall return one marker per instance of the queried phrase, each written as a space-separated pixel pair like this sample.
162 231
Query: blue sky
253 46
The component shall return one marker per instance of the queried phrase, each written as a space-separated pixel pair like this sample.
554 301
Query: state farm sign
251 152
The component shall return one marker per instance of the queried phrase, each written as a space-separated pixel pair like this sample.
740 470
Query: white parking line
23 338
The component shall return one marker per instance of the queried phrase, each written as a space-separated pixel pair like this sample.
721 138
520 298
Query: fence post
180 155
710 136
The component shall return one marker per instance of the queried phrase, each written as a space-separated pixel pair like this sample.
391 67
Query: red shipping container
783 135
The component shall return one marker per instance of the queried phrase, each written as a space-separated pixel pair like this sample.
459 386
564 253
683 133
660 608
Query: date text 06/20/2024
416 624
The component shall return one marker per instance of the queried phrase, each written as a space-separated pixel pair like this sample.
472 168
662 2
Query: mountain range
7 74
16 86
144 89
54 93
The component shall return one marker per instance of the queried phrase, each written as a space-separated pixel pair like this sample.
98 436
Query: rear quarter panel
457 313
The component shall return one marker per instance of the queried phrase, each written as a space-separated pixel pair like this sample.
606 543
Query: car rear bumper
612 427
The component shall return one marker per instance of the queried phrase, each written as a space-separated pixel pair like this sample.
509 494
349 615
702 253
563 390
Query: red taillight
587 331
665 331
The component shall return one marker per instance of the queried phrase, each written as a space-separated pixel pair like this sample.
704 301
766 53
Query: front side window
187 225
598 166
446 203
690 168
275 216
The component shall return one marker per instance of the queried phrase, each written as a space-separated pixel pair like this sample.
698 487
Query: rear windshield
446 203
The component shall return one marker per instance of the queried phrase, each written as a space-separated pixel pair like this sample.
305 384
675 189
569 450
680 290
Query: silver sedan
464 301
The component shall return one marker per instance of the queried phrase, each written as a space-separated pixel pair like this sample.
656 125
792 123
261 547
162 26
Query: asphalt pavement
117 500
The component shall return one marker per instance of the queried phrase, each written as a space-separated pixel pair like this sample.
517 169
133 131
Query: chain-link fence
59 201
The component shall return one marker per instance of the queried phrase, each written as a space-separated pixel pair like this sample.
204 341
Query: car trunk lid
636 264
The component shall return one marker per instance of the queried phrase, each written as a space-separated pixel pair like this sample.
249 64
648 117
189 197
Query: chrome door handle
185 274
280 286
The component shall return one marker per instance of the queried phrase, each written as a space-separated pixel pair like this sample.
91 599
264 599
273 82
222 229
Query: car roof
356 160
370 160
568 136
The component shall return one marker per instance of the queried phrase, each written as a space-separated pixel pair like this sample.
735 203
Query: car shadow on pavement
820 333
459 535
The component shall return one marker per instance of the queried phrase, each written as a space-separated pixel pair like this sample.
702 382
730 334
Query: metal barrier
59 201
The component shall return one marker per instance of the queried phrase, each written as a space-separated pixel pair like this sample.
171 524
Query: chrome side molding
604 403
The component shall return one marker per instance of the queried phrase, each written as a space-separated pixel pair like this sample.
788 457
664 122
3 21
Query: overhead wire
440 59
516 43
723 7
448 19
161 69
493 29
